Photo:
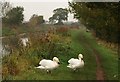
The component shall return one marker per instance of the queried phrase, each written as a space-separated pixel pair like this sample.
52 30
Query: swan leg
48 71
78 70
74 70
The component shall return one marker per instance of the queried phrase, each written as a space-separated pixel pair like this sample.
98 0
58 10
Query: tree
14 16
36 20
51 20
101 17
59 15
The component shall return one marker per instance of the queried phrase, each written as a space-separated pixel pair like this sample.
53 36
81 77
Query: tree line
103 18
14 16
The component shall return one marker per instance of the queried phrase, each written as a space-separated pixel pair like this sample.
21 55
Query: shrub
63 30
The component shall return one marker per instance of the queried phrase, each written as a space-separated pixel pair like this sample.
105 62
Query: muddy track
99 72
100 75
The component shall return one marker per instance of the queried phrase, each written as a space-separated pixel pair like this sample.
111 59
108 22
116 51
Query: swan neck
56 64
79 58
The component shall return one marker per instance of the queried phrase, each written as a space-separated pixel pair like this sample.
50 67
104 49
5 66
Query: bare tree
5 7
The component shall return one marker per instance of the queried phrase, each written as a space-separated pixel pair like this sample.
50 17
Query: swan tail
69 66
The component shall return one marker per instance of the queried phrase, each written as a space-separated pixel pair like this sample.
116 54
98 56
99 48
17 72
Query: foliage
59 15
100 17
51 20
63 30
14 16
7 31
49 44
36 20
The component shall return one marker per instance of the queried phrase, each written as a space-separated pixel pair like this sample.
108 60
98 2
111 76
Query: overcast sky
44 7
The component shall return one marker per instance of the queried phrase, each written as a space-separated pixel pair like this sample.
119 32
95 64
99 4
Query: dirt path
99 70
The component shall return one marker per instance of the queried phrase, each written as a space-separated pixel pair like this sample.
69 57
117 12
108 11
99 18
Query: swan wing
40 67
73 61
80 65
47 63
72 66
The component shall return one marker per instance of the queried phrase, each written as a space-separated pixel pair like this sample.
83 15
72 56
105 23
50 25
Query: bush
14 64
44 45
10 66
62 30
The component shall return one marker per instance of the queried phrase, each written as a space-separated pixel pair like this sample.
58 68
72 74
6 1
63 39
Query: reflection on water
6 43
3 50
0 48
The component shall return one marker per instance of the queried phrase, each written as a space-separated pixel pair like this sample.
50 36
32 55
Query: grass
80 47
82 42
7 31
109 59
109 62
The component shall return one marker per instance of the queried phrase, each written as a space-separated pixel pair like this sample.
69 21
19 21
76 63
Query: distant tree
36 20
51 20
14 16
59 15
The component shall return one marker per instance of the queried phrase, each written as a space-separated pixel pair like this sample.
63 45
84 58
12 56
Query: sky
41 7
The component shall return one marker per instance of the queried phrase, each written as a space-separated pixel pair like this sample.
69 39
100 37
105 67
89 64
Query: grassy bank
81 42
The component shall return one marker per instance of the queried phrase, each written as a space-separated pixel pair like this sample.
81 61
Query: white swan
48 64
24 41
76 63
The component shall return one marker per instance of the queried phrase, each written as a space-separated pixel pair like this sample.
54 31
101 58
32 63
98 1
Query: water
0 48
3 51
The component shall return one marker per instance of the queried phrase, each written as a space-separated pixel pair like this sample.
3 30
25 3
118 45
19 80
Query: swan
24 41
76 63
49 65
